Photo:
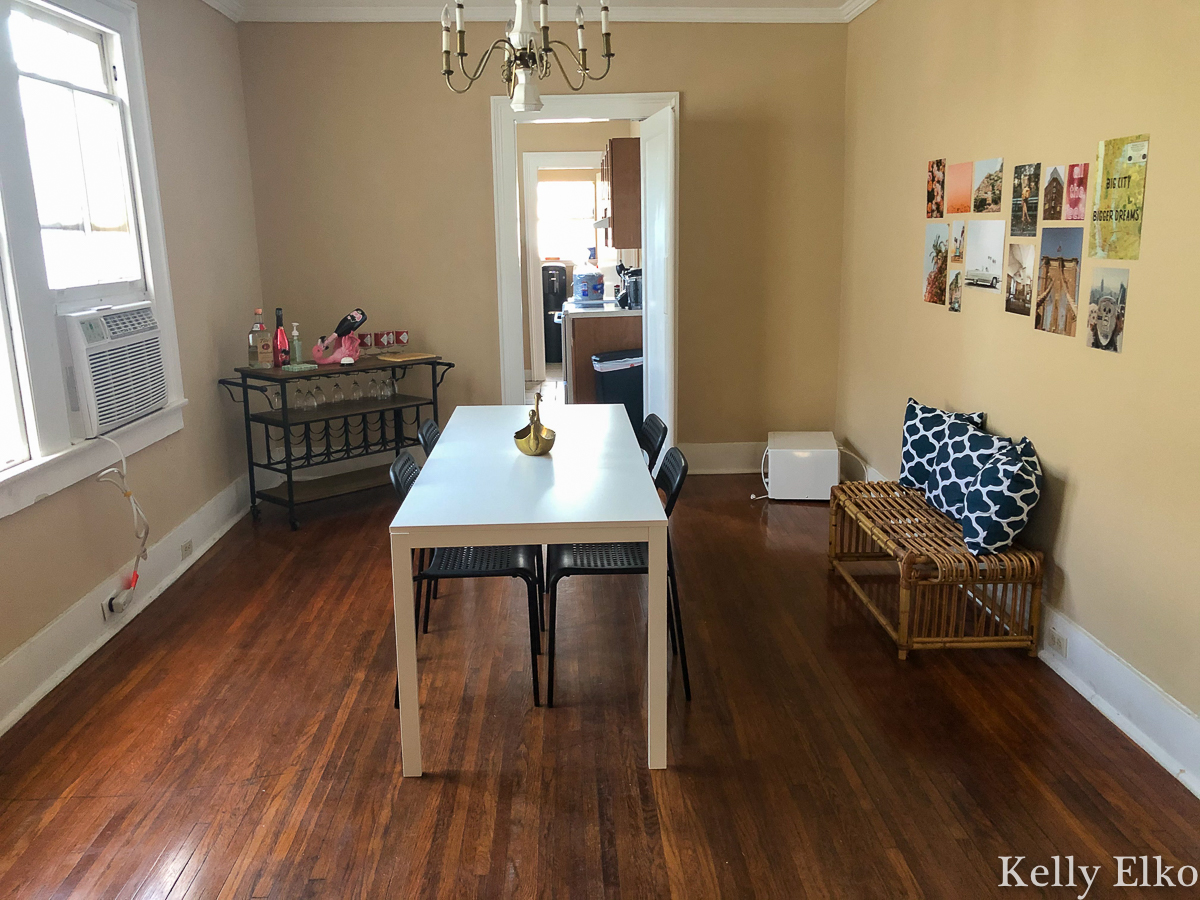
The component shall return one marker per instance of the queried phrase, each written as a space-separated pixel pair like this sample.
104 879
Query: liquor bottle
261 351
282 354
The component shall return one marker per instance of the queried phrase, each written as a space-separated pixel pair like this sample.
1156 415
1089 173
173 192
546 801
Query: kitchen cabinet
620 194
589 331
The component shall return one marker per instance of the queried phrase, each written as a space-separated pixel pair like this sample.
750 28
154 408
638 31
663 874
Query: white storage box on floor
800 465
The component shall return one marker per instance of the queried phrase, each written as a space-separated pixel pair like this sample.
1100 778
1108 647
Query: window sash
101 290
81 296
10 387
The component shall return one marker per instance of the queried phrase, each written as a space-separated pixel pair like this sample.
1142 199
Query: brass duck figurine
535 439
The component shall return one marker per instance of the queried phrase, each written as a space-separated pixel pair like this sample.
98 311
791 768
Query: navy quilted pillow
924 432
999 501
959 458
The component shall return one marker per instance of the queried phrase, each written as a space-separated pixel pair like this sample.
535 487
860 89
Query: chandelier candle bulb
579 24
458 17
445 39
544 14
604 20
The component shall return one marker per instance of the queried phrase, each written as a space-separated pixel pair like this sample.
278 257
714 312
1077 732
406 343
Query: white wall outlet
185 549
1057 642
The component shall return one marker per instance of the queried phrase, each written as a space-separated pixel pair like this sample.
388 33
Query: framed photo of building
1018 279
1054 192
1057 308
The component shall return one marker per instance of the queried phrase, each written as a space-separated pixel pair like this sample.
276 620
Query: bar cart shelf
293 440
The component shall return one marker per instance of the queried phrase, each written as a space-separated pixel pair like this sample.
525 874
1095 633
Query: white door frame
531 162
556 108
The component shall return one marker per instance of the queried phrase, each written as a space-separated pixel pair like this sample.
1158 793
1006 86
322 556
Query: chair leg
418 584
437 587
429 587
678 619
541 580
534 641
671 631
396 702
550 652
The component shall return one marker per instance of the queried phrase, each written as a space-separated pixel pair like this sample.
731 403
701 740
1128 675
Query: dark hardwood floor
238 739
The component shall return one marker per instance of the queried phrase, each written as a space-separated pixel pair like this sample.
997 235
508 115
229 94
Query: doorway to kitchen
545 192
559 210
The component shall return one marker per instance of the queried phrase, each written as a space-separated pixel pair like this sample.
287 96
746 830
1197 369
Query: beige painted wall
1118 434
373 186
57 550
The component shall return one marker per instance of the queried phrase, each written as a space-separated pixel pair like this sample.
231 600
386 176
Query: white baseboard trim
1152 718
724 459
35 668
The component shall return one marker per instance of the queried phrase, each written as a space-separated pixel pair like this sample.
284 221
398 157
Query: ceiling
498 11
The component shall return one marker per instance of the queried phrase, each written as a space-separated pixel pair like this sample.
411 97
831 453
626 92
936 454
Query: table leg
657 655
406 654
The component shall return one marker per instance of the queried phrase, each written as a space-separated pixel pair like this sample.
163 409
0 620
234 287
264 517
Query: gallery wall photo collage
1038 271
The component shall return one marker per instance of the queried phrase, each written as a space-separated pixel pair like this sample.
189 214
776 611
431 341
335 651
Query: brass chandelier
529 54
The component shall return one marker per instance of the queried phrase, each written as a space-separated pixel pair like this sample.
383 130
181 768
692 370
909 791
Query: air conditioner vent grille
129 321
129 381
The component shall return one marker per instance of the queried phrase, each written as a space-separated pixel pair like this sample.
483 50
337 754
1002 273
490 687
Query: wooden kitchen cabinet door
622 198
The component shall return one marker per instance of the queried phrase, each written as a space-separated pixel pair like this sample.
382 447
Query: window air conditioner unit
113 366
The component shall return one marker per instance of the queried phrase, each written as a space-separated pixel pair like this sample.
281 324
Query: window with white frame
77 151
82 226
566 221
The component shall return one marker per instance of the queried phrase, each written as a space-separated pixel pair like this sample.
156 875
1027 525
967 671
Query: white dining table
478 489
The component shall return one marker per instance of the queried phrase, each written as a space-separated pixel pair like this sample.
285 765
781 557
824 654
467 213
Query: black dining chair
521 561
651 437
428 435
565 560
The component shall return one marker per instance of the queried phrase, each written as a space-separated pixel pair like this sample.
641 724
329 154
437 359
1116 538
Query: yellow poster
1120 195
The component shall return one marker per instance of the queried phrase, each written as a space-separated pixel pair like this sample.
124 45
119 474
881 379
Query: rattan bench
907 562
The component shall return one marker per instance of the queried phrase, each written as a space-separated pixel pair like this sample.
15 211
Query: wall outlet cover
1057 642
185 549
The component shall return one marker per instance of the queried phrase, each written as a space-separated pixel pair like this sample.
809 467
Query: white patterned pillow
924 432
959 459
1001 498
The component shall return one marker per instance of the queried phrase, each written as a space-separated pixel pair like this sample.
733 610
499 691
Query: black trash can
619 380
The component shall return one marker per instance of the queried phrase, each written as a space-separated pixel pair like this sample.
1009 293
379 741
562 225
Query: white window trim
55 462
25 484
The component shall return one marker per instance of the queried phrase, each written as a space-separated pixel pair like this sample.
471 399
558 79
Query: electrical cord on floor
115 475
841 449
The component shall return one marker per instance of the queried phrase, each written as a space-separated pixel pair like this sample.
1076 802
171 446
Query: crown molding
396 11
231 9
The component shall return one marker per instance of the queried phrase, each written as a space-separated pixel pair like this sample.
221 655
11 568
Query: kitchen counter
610 308
587 331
